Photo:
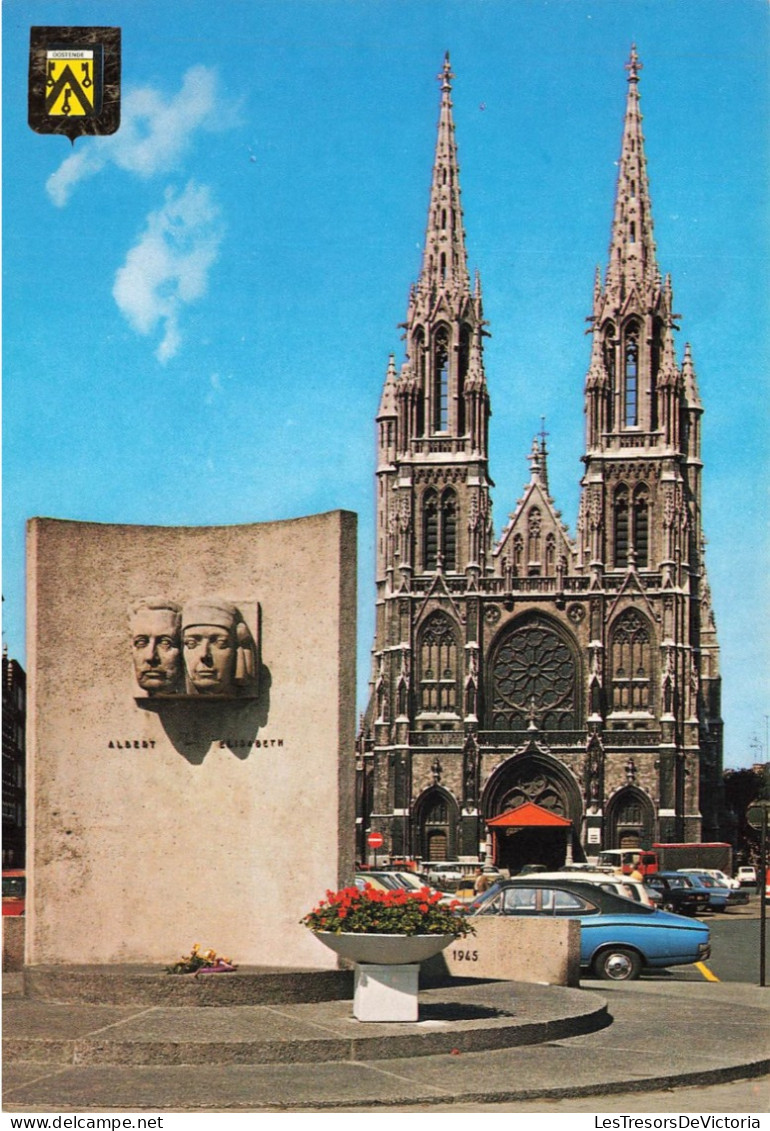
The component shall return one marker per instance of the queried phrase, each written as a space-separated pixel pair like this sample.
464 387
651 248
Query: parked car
443 873
392 881
746 875
720 897
14 891
722 879
618 938
620 885
678 893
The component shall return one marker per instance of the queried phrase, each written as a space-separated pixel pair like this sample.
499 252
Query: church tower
640 535
433 512
544 697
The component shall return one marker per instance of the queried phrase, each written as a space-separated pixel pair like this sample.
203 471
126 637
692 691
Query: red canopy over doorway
528 816
530 834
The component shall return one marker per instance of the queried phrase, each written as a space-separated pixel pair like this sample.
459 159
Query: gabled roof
528 816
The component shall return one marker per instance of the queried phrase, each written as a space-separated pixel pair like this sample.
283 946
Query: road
734 948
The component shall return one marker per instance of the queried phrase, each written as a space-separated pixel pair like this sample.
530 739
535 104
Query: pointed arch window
439 667
609 365
441 381
550 555
631 378
430 531
439 525
449 529
656 354
642 527
631 663
534 529
418 366
621 524
463 363
518 554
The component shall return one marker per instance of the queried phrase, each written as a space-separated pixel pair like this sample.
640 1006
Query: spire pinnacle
538 458
445 263
446 76
633 66
633 264
690 380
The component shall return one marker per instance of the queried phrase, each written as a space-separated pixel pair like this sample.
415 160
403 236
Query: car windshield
13 887
409 881
373 878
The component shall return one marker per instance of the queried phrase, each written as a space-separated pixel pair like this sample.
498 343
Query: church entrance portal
531 846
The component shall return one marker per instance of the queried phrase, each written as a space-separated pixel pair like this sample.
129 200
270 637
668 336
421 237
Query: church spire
445 262
632 265
538 459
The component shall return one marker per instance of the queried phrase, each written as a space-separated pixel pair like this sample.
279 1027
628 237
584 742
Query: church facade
545 695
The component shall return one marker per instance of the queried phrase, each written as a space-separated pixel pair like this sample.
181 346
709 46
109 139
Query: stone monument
192 715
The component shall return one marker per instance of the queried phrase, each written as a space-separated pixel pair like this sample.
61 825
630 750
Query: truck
715 854
669 858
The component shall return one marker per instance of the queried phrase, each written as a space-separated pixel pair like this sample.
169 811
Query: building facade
543 695
14 762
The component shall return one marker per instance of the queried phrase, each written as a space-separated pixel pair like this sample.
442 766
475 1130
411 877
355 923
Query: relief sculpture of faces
156 646
219 651
201 647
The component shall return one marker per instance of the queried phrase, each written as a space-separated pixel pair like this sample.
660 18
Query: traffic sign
375 840
758 813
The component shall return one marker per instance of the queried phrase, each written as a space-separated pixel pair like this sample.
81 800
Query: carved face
156 648
209 656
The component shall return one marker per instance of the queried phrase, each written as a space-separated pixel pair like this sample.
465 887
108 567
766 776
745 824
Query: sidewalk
600 1039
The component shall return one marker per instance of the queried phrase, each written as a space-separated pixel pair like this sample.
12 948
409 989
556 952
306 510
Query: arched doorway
630 821
534 777
436 818
519 832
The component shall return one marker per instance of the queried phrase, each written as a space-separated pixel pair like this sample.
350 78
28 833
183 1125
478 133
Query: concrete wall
156 825
13 942
516 949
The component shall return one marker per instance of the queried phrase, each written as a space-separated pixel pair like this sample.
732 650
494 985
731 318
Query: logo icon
74 80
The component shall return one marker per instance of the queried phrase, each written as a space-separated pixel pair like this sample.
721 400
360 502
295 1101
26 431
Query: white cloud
155 132
169 265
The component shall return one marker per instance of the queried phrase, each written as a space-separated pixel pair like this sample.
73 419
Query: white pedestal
386 993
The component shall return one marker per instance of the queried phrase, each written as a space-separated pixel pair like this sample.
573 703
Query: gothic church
544 696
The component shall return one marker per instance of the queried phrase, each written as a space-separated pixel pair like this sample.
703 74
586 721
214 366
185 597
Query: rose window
534 679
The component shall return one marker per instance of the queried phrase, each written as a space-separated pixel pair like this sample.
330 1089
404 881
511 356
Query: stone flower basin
384 950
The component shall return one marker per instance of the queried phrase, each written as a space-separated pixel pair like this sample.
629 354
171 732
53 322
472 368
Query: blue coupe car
618 937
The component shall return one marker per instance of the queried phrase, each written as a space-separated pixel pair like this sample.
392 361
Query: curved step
458 1018
150 985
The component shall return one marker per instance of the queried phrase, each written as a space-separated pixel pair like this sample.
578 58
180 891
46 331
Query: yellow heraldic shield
74 80
70 87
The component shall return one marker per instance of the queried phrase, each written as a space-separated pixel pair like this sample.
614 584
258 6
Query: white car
444 872
721 877
746 875
619 885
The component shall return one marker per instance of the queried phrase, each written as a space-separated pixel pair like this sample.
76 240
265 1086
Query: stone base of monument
386 993
152 986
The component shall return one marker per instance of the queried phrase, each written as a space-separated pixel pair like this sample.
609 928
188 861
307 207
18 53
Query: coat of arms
74 80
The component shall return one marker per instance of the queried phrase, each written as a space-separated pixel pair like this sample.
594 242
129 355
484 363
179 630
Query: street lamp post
757 816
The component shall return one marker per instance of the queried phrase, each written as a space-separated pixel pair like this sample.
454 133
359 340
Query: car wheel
617 964
667 905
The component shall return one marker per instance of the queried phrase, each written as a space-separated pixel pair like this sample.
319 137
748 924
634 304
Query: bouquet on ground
373 912
201 962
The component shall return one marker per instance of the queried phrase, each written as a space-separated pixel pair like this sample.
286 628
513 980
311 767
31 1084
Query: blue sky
198 311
